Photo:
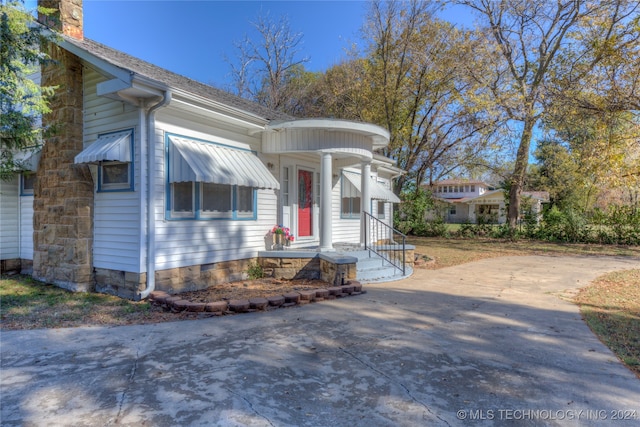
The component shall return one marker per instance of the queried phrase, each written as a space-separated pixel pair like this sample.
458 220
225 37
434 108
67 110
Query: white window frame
183 214
351 214
24 191
382 214
115 186
228 214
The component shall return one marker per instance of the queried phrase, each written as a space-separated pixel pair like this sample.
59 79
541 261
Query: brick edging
218 308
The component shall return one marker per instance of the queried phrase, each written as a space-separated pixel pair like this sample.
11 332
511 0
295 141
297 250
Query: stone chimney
63 191
66 18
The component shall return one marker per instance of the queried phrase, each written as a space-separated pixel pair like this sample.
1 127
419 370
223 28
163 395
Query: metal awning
29 160
111 147
377 190
193 160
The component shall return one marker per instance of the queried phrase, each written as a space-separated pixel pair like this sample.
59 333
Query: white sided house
471 201
160 182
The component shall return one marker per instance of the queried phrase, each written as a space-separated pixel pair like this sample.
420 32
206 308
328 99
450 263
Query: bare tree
264 66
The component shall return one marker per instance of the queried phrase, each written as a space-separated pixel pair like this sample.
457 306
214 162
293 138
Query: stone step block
307 296
239 305
196 307
335 291
276 301
347 289
292 297
216 306
169 301
258 303
322 293
158 297
181 305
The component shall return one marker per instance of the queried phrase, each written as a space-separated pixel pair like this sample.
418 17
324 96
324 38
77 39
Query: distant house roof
460 181
173 80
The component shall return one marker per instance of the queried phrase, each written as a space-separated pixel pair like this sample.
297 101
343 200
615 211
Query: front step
372 268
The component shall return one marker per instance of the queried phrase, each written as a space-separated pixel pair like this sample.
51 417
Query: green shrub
255 271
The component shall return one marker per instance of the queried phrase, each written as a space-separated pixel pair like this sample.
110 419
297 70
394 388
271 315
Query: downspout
151 196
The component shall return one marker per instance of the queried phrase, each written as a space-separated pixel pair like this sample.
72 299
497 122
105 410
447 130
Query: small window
381 211
216 201
182 200
244 203
27 182
115 176
350 200
473 188
452 210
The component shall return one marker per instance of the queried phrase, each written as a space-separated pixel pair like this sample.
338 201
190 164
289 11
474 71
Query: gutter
151 196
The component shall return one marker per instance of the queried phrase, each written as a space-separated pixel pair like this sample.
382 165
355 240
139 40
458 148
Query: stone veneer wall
63 191
197 277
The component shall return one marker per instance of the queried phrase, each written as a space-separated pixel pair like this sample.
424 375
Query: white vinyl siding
9 221
117 227
200 242
26 227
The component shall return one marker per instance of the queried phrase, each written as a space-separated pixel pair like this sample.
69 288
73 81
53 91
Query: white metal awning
377 190
193 160
111 147
29 160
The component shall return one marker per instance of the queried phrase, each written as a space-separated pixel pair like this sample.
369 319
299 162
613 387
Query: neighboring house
469 201
152 172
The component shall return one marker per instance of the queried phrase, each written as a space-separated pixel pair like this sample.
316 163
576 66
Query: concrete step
377 274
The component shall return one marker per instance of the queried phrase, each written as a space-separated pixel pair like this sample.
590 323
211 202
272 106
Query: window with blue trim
203 200
117 175
27 181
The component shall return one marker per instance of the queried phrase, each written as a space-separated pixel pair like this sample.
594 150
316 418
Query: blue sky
192 37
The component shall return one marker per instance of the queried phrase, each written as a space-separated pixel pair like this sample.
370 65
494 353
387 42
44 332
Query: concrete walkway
487 343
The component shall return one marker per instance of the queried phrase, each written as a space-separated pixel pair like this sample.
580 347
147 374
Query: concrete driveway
487 343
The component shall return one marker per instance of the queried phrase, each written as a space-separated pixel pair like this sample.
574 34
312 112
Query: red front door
305 203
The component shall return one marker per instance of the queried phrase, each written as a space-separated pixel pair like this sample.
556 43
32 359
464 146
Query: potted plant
281 236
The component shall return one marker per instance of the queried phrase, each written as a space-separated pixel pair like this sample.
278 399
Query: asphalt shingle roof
173 80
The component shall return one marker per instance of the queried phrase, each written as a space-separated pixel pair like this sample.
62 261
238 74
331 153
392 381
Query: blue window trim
132 185
351 215
197 215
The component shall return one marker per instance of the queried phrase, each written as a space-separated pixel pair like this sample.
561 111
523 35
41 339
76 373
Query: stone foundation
13 265
335 273
291 268
123 284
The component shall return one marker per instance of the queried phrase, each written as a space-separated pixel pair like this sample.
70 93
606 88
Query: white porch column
472 213
365 195
326 174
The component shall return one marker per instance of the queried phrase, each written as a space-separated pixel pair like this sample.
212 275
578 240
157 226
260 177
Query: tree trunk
519 173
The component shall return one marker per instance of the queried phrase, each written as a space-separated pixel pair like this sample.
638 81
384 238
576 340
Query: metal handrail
380 238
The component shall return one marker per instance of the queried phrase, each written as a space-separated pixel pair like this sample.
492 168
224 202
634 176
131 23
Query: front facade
161 182
475 202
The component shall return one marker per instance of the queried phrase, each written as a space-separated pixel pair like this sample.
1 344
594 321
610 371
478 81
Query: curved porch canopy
344 141
342 138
